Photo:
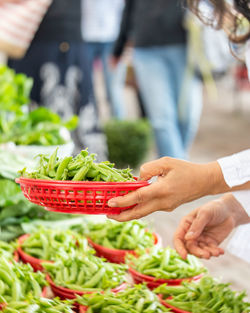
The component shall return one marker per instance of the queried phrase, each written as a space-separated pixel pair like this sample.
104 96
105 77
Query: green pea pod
63 165
95 279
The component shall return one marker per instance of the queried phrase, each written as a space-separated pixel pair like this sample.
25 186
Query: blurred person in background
57 61
100 26
160 61
203 230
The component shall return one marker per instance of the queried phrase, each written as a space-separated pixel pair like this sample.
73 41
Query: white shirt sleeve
236 171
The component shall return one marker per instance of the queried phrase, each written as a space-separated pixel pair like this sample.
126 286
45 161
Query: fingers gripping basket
76 197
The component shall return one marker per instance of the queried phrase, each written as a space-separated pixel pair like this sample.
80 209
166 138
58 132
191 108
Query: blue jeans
114 78
172 103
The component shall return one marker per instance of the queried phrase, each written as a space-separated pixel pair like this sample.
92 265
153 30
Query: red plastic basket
83 309
66 293
115 255
76 197
169 306
26 258
153 282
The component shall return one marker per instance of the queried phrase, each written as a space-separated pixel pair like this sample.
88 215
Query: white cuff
239 245
236 168
243 196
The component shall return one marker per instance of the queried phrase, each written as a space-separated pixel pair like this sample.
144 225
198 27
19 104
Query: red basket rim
157 240
78 292
27 257
71 183
167 305
148 278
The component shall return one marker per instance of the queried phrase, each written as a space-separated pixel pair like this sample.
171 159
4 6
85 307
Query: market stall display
133 299
208 296
15 209
48 245
24 127
160 266
38 305
18 281
83 274
113 240
77 185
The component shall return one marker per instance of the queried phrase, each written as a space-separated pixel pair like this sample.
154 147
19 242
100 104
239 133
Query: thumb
197 226
155 168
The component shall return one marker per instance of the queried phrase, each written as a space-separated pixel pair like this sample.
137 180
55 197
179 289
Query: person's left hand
202 231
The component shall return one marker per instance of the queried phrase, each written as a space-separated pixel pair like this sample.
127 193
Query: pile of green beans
133 300
206 296
80 168
125 236
86 273
18 280
39 305
48 244
166 264
6 250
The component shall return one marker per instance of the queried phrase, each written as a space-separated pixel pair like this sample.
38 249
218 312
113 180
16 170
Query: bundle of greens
48 244
39 305
14 90
86 273
206 296
18 281
125 236
80 168
166 264
38 127
134 300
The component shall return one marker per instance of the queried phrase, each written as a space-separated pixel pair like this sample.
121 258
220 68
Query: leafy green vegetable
38 127
165 263
14 90
80 168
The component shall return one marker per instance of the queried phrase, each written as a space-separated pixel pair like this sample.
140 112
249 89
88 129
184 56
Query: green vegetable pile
165 263
39 305
48 244
6 250
18 281
125 236
86 273
134 300
15 209
206 296
80 168
21 126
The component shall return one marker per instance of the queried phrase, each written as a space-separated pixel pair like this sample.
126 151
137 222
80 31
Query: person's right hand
202 231
177 182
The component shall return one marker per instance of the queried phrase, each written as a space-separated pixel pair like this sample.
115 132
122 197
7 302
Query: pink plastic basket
76 197
66 293
153 282
169 306
26 258
115 255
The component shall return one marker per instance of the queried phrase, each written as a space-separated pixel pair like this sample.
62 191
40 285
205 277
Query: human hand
205 228
178 182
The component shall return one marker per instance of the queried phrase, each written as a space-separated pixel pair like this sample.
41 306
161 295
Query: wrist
214 179
235 210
